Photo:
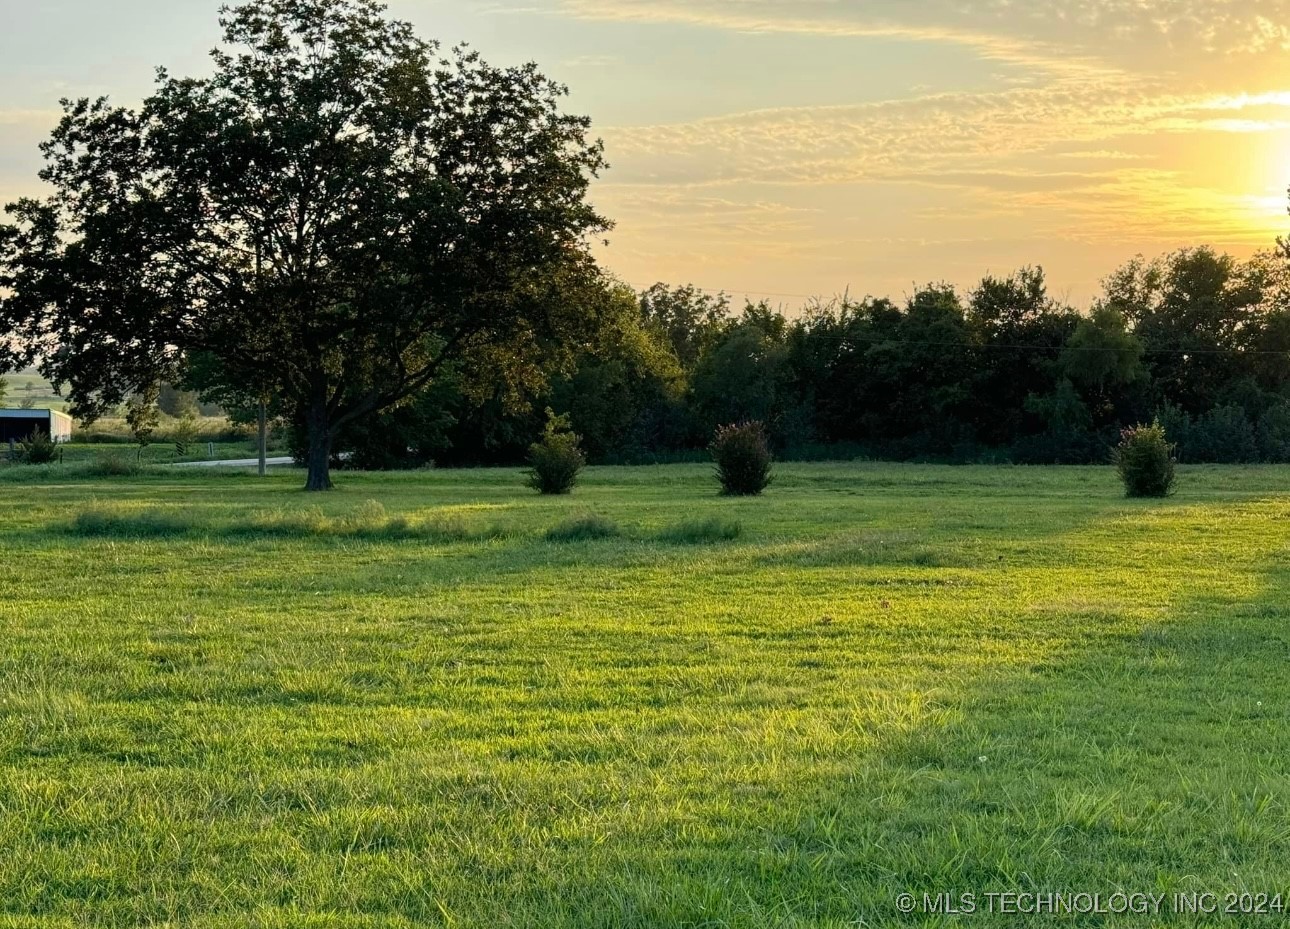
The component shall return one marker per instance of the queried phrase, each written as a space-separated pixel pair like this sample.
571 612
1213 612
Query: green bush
1224 435
556 460
742 455
1274 433
1177 424
184 431
1145 460
38 448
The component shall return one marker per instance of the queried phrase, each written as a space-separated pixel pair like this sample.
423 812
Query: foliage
184 430
1019 332
1193 313
1274 433
175 401
441 203
142 416
1224 434
1068 436
740 378
38 448
557 459
1102 355
743 459
686 318
1145 461
625 392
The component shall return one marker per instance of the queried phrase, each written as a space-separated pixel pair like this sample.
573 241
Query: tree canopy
335 217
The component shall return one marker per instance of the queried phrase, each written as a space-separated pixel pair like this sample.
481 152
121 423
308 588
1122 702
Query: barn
16 425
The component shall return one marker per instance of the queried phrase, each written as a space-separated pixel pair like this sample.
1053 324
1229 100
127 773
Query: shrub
584 529
37 448
1274 432
184 432
1224 435
557 459
1177 424
742 455
1145 460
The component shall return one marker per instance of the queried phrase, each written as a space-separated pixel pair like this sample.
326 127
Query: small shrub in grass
742 455
557 459
584 529
37 448
702 532
1145 460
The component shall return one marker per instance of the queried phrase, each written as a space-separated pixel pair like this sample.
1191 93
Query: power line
1052 349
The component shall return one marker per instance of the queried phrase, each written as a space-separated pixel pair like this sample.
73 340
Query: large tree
333 217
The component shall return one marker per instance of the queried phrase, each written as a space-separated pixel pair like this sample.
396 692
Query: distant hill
28 384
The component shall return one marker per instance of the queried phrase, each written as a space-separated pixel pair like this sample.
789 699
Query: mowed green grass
220 707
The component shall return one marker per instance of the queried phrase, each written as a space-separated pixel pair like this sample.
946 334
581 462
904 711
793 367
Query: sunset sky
803 147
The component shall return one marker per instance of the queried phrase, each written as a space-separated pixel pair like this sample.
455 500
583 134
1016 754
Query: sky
806 148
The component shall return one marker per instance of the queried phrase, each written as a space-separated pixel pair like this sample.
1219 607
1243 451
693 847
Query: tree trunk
318 457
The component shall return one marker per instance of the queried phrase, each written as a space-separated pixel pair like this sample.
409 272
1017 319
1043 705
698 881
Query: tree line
1196 339
388 247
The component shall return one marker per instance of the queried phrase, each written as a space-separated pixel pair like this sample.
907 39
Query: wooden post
264 436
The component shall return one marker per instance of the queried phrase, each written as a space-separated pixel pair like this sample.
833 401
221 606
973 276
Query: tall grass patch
368 521
101 520
701 531
587 528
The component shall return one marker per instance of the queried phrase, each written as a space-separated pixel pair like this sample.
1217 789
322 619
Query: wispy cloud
1063 35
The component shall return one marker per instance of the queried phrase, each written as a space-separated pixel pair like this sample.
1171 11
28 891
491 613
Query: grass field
29 385
436 699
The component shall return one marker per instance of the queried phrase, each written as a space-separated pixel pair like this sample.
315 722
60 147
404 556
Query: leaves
332 217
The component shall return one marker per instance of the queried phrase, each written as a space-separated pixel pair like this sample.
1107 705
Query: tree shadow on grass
1145 750
1118 729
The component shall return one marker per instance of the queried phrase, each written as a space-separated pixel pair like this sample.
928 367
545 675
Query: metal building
16 425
